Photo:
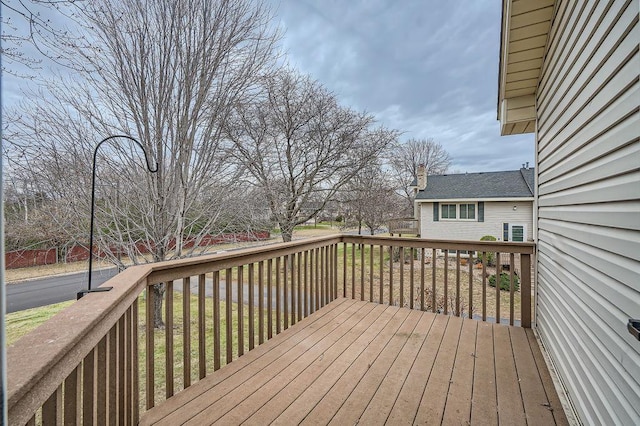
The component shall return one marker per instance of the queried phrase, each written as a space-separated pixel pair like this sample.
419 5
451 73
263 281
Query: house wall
495 214
588 152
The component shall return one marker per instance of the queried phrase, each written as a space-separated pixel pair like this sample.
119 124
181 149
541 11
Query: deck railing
401 226
101 361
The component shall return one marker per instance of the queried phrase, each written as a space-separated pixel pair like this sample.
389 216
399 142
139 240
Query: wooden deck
359 362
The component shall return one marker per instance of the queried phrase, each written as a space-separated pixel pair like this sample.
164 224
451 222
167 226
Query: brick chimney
422 177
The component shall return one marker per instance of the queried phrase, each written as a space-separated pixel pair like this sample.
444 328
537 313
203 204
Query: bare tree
371 198
406 157
33 30
300 147
167 73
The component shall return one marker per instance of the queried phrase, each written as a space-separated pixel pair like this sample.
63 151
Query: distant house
471 205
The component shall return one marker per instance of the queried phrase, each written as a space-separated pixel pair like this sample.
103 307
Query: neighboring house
570 74
471 205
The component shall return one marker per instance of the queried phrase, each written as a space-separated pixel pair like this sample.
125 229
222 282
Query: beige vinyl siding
495 214
588 177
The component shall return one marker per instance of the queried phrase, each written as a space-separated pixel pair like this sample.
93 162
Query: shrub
504 281
490 256
339 218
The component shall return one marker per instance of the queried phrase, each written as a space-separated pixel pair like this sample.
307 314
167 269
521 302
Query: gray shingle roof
507 184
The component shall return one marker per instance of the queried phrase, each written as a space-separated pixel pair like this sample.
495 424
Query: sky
427 68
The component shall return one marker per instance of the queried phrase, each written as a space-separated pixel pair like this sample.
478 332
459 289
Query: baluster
381 295
112 351
72 400
202 334
401 276
446 281
458 313
186 331
411 279
52 408
278 297
88 387
251 309
511 288
228 283
498 274
390 275
470 310
361 246
434 307
422 261
285 274
216 321
306 283
149 354
240 309
168 339
370 272
260 302
299 281
484 286
269 296
525 290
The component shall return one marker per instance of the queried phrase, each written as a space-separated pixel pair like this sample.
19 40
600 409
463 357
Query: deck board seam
524 408
245 362
372 362
396 311
380 327
395 358
329 332
408 369
433 318
453 366
338 341
424 389
327 368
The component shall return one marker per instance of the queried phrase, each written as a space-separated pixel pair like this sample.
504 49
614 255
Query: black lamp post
93 197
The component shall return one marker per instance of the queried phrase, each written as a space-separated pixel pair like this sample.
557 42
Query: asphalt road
54 289
60 288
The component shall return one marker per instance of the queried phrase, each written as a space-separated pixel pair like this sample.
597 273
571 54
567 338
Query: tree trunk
158 296
287 235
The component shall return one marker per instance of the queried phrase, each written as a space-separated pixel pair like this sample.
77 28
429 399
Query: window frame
448 206
507 231
475 215
457 211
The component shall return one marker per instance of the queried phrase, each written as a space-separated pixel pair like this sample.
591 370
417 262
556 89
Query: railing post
525 291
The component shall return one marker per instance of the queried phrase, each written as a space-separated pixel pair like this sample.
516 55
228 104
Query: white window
449 211
514 232
468 211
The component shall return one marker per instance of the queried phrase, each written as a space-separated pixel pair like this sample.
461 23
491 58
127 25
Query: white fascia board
463 200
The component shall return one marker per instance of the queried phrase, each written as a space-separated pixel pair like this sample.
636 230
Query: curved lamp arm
93 196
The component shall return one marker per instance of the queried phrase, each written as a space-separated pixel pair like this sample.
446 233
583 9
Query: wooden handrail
95 340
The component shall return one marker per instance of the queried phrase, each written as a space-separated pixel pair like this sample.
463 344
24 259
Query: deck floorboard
360 362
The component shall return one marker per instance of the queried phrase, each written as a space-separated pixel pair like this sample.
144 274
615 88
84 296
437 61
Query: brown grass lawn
360 280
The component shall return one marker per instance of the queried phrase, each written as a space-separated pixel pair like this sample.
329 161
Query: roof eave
523 38
474 199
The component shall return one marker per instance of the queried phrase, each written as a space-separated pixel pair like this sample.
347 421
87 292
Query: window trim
457 212
507 231
475 209
524 232
442 206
